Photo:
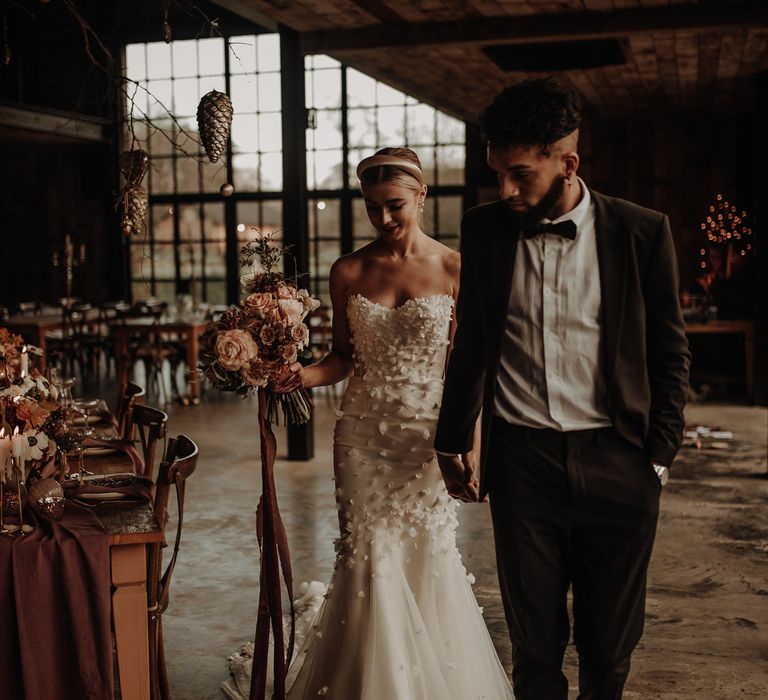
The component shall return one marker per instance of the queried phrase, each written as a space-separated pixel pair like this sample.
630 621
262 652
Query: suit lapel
507 231
612 262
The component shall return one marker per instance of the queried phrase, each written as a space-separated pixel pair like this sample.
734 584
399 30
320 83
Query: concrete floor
707 616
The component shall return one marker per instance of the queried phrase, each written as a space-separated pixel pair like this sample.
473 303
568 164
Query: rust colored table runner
55 635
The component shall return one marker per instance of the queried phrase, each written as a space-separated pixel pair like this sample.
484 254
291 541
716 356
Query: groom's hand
459 476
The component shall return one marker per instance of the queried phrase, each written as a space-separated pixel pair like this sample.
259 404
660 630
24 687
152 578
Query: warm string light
725 225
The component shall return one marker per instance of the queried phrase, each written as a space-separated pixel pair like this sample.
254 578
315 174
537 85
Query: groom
570 339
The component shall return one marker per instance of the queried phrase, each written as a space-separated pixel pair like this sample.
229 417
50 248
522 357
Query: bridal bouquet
252 345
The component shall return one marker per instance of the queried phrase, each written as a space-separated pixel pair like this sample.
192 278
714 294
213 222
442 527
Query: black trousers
578 510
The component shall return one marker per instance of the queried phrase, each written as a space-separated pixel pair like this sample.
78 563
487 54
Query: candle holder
15 501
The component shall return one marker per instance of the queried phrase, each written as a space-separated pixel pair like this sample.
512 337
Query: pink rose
289 353
235 348
300 334
259 304
285 292
291 310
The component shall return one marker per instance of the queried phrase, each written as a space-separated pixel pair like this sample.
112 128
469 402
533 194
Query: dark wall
50 190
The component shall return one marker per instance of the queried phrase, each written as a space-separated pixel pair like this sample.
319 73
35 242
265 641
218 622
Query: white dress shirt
549 373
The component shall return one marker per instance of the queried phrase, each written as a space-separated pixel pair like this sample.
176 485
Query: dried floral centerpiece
250 348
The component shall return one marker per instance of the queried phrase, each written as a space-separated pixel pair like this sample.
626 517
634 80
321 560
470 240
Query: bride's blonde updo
403 177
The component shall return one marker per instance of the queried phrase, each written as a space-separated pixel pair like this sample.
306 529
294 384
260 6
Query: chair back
151 424
177 466
131 395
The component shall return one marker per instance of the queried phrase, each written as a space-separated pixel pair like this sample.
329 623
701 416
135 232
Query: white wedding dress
398 620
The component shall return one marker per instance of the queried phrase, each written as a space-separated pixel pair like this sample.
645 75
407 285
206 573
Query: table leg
129 612
193 355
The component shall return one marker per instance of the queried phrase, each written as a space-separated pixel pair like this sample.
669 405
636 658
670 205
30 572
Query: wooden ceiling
692 56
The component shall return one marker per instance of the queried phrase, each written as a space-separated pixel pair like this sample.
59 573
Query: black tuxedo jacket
646 351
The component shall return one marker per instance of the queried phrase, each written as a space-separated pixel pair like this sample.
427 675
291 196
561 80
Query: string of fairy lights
725 226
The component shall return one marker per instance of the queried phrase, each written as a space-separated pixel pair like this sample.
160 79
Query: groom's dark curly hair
534 112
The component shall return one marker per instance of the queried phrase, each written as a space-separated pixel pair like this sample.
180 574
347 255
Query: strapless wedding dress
398 620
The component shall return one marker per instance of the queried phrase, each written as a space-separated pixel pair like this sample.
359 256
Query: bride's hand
459 477
289 379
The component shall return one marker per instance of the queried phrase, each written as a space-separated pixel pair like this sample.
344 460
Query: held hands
460 476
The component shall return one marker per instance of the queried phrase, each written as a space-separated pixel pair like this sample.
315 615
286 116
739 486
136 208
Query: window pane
428 216
245 133
160 97
211 56
243 93
361 89
323 61
140 290
326 89
158 60
386 95
427 158
190 261
242 54
184 58
391 131
268 46
421 124
216 293
450 165
162 222
209 83
161 176
362 127
324 218
245 172
271 172
135 62
266 217
269 92
450 130
324 254
185 97
328 131
327 169
138 100
270 133
187 175
165 290
215 260
164 262
214 175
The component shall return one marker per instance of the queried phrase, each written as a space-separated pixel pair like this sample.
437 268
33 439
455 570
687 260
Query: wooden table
34 328
744 327
130 530
189 332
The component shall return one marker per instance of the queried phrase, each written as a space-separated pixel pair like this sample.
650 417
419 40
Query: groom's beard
546 206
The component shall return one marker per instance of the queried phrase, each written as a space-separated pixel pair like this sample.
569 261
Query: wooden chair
130 395
152 425
177 466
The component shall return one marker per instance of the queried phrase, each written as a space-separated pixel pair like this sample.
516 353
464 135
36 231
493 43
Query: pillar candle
5 451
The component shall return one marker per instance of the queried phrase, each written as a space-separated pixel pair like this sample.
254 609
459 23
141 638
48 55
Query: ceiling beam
379 9
561 26
247 11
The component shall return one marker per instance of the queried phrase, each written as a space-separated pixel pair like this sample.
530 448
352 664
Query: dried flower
234 348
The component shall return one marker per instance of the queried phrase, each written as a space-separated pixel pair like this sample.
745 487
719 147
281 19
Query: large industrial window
350 116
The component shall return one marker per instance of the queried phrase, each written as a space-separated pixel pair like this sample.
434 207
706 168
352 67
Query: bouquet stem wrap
273 546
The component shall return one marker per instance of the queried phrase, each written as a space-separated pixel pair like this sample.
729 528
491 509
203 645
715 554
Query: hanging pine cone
167 32
135 208
133 165
214 118
7 55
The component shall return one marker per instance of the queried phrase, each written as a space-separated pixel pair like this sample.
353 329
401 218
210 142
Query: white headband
394 161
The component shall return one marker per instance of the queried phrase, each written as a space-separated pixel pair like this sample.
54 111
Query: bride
399 620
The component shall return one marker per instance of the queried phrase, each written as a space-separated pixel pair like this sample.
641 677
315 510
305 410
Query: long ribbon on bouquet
273 546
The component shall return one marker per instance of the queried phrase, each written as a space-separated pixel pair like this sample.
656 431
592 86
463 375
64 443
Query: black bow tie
566 229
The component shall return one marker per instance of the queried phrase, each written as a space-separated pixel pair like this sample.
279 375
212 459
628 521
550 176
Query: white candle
5 450
24 367
17 445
